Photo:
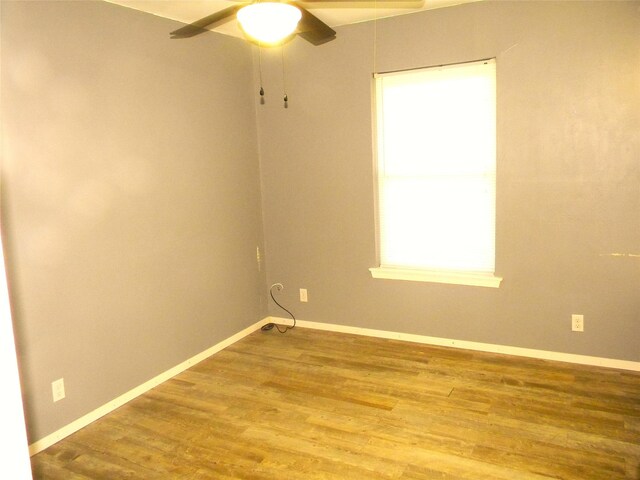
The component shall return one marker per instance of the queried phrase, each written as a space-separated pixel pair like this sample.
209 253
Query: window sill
462 278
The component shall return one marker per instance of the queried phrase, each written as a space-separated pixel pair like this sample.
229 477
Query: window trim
434 276
388 272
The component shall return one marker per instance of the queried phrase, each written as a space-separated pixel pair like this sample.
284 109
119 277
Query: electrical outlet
57 389
577 323
303 295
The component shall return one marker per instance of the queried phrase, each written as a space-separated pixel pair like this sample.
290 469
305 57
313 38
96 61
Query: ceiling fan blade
199 26
314 30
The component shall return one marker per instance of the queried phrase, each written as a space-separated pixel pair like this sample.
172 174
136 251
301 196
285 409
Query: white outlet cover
57 388
577 323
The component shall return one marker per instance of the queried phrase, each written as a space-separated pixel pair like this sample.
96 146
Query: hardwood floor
318 405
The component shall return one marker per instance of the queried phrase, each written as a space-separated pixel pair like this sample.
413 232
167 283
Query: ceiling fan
271 22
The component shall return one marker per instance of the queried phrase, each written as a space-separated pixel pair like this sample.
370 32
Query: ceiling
331 12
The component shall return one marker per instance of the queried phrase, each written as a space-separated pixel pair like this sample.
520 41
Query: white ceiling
331 12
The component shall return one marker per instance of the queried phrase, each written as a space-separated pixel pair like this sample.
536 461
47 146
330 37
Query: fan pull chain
260 70
284 81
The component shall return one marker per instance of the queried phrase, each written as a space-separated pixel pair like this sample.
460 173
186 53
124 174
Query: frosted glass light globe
269 22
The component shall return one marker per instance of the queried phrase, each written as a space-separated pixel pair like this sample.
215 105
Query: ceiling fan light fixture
269 22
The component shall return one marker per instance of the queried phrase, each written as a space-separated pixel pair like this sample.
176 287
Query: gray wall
568 186
131 204
131 198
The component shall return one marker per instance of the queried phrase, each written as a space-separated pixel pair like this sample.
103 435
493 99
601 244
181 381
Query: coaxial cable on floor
269 326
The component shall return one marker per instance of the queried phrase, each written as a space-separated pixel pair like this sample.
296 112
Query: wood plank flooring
319 405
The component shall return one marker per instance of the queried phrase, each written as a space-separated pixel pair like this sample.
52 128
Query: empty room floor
311 404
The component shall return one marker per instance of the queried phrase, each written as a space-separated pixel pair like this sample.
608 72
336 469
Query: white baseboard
482 347
90 417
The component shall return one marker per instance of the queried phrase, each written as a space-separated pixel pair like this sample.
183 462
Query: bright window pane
436 150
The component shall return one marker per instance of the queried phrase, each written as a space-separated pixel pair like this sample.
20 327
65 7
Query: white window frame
408 272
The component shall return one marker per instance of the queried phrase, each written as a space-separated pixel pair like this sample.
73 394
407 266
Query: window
436 149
